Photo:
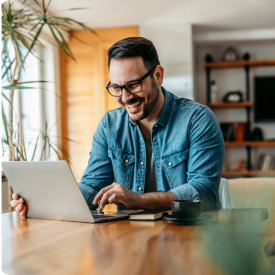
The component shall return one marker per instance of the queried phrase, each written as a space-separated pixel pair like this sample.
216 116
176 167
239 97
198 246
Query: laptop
51 192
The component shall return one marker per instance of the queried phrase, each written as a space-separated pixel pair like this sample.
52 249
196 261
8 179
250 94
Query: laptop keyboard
100 216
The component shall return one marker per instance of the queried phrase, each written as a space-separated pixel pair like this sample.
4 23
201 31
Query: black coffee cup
186 208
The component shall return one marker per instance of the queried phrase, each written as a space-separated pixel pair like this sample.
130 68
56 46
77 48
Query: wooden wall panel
84 96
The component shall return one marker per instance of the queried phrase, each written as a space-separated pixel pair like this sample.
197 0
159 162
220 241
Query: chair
225 195
255 193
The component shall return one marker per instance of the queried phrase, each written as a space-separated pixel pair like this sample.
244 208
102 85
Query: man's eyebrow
135 79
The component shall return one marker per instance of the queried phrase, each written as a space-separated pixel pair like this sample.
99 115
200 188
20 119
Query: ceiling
221 14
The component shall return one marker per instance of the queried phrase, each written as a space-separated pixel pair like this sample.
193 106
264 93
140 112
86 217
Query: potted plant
21 35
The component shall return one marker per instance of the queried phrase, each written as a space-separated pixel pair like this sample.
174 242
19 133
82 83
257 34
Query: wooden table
36 246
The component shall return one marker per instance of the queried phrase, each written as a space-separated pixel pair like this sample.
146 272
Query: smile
132 106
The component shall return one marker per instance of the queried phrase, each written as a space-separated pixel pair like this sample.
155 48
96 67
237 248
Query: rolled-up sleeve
205 161
186 192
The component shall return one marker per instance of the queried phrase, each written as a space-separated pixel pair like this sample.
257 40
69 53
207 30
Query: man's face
138 105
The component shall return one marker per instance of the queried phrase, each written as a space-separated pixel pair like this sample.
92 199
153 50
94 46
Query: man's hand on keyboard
117 194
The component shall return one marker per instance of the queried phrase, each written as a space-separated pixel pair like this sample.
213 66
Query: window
38 105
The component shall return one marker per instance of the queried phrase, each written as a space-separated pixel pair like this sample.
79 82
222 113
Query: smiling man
156 147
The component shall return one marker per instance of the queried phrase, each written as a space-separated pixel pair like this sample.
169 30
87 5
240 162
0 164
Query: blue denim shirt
188 149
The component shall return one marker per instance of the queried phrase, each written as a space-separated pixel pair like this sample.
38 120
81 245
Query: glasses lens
134 86
115 91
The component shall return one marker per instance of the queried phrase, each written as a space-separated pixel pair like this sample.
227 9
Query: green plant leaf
34 41
43 5
74 36
7 99
55 151
64 152
60 44
48 5
18 87
7 69
64 41
72 21
15 41
35 26
21 153
35 147
5 123
73 9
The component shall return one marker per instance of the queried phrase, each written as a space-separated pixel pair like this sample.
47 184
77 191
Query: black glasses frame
124 86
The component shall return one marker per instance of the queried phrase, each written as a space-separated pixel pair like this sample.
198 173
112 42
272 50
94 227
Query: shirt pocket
123 166
175 167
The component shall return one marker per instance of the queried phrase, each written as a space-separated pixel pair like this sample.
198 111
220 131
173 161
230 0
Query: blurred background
184 32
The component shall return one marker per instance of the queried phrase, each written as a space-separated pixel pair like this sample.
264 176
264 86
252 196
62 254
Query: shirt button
156 126
158 166
155 140
142 163
126 160
141 138
140 188
170 163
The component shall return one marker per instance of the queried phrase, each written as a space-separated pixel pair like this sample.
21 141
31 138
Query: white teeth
133 105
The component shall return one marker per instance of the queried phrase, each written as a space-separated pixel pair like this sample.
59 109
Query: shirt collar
165 111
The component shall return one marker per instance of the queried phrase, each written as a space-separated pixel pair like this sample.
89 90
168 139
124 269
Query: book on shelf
266 162
150 215
227 131
234 131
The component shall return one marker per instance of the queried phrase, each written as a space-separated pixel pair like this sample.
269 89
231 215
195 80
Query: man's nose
126 96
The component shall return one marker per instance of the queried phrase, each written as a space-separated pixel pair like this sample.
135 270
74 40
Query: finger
14 196
23 212
19 208
104 199
14 203
99 209
101 193
113 198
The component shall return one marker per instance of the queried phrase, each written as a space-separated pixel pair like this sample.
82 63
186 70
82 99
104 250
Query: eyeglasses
132 87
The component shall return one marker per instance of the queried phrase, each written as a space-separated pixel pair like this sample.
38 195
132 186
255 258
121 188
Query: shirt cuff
89 194
186 192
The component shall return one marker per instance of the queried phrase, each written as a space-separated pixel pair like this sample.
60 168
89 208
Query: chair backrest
225 195
254 193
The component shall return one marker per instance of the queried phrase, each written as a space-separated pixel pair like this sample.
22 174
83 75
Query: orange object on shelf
240 131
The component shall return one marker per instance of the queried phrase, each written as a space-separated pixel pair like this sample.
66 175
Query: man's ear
158 75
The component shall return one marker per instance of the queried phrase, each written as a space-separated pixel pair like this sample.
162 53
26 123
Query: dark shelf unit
246 65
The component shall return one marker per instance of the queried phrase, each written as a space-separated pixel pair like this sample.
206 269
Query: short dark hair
133 47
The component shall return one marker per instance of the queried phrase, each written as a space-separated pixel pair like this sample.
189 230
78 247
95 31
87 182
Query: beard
148 107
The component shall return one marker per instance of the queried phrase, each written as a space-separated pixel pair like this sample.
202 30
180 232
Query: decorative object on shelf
240 131
233 96
230 54
214 92
208 58
246 56
239 165
256 134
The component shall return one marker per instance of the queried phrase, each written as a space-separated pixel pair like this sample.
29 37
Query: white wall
174 46
234 79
